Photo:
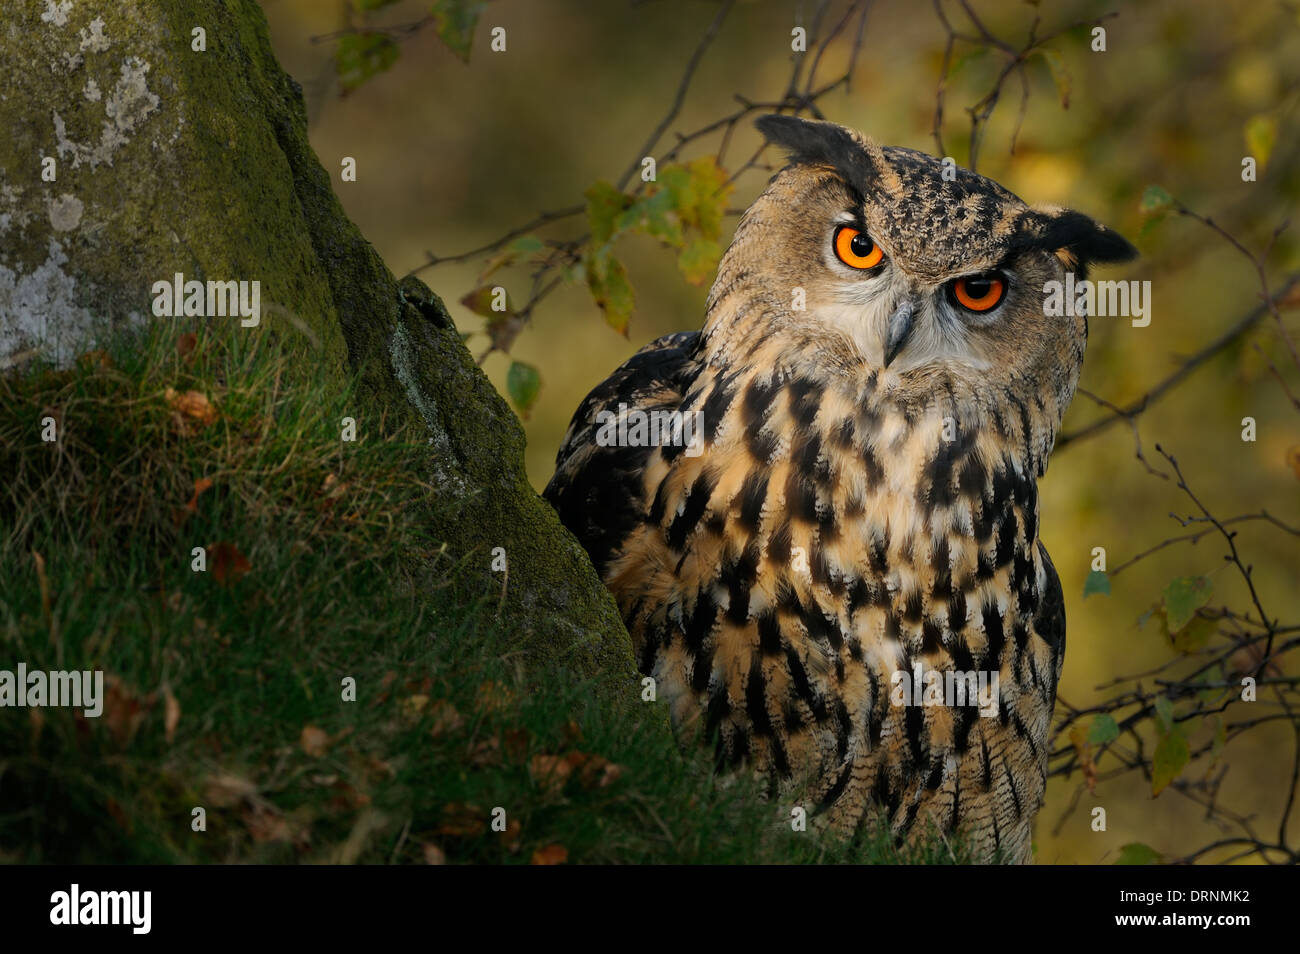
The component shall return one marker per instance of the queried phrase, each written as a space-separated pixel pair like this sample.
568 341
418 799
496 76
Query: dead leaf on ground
551 772
186 344
485 752
123 710
433 855
228 564
512 834
315 742
226 789
266 823
413 706
200 485
96 358
552 854
462 820
445 718
190 407
493 697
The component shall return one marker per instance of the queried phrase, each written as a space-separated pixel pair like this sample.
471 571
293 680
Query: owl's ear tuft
810 141
1072 235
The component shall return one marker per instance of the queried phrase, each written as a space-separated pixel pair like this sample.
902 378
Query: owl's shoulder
597 489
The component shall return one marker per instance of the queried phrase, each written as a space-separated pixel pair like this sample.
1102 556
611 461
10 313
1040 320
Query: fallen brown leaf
445 718
462 820
485 752
315 742
190 406
96 358
433 855
228 564
124 710
552 854
225 790
186 344
413 706
265 823
550 772
493 697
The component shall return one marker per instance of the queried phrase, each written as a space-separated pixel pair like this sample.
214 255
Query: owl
819 513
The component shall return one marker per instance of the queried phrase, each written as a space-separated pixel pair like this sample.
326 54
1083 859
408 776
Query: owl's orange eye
855 248
979 292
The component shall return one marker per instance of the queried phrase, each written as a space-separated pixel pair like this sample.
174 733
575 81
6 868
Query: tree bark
168 159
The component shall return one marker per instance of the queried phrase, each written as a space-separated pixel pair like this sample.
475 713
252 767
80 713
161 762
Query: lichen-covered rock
133 156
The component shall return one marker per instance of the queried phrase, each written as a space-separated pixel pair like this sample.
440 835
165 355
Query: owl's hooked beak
901 323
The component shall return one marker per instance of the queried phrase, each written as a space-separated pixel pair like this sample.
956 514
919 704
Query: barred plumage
863 497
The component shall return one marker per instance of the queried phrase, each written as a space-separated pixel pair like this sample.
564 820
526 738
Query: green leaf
1183 597
522 384
360 56
699 260
1104 729
1097 582
1193 637
656 216
1155 200
1060 75
1136 853
605 205
1261 135
454 21
479 301
367 5
607 279
1165 713
710 191
1172 753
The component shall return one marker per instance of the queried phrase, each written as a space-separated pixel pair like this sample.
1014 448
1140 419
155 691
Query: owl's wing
1049 621
598 490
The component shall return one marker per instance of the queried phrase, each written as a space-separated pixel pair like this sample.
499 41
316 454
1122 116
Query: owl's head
870 258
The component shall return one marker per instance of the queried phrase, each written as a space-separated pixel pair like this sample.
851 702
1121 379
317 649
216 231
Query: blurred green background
451 155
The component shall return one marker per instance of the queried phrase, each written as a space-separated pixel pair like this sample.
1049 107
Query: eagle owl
836 575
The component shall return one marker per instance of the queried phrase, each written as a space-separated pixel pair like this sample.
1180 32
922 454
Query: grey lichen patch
65 212
126 108
56 12
42 311
400 353
92 37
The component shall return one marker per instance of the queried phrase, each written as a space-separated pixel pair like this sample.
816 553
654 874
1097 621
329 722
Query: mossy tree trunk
168 159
